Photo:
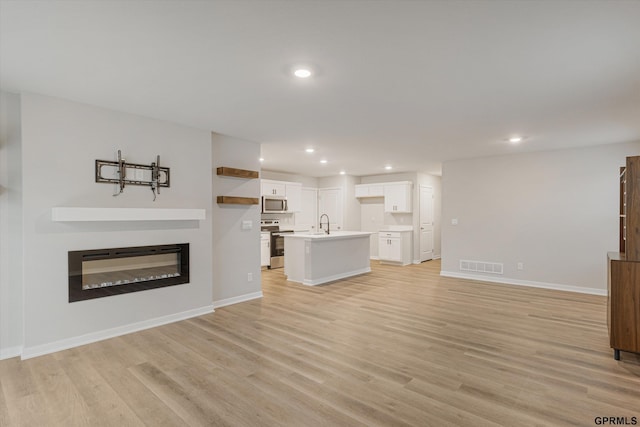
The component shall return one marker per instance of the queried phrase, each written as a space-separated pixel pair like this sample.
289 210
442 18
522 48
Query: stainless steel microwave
274 204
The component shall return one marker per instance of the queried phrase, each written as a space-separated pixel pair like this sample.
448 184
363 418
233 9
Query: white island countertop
316 258
331 236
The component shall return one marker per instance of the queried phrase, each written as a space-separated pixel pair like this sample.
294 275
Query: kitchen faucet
327 231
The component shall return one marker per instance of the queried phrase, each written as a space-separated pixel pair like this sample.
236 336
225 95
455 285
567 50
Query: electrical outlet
454 221
520 266
249 277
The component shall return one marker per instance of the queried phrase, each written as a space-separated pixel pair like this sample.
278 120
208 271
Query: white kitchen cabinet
273 188
397 197
369 190
362 190
376 190
389 248
265 249
293 192
394 247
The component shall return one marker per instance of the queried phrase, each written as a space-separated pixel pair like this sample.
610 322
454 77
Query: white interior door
308 215
426 223
330 203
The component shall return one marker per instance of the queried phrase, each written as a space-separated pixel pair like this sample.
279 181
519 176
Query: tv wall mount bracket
122 173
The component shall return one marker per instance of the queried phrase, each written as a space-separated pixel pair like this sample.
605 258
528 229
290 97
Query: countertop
332 236
397 228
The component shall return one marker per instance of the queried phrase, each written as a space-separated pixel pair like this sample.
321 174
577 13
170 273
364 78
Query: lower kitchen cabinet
265 249
394 247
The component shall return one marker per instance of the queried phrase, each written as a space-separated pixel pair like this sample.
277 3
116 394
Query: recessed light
323 161
515 139
342 172
261 159
309 150
302 73
388 167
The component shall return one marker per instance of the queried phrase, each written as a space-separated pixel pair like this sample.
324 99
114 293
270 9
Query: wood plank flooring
400 346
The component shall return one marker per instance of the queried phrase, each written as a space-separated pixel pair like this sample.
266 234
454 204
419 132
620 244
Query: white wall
372 219
60 142
350 206
554 211
373 209
306 181
236 252
10 227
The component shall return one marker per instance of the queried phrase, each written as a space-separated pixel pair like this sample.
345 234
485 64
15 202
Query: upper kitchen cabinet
397 197
369 190
273 188
291 190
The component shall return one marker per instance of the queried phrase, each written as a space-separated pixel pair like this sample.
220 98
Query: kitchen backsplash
285 218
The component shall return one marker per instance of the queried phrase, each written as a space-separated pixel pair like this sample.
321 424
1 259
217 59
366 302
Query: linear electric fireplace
104 272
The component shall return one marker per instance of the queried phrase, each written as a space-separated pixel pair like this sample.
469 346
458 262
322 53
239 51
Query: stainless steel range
277 241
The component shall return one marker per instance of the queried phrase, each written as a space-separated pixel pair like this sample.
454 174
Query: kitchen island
316 258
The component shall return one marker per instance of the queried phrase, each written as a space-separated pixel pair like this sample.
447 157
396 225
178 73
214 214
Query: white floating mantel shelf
63 214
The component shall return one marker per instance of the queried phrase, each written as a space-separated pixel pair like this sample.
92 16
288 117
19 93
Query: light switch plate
247 225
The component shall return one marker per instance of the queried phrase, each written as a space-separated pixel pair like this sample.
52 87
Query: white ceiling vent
481 266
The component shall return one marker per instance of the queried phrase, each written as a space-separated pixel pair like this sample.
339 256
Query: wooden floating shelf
230 200
237 173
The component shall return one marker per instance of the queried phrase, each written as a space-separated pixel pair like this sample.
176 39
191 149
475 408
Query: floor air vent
481 266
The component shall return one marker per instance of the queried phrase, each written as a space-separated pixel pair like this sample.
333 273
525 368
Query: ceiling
409 84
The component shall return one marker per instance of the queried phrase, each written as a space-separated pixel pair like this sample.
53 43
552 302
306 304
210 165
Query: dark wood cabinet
632 208
623 305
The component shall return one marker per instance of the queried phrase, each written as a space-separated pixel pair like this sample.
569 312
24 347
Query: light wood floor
398 346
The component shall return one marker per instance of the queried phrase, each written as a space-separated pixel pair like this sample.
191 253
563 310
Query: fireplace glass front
104 272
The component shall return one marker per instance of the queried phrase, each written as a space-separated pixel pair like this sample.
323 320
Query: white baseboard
9 352
530 283
235 300
374 257
39 350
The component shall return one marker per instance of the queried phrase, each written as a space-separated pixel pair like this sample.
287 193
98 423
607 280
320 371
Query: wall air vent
481 266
